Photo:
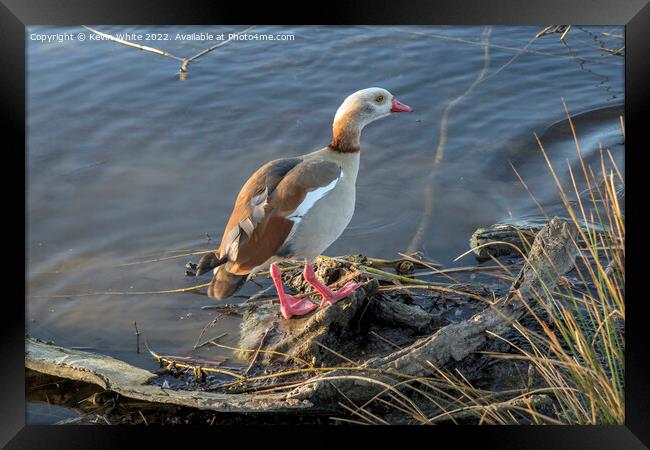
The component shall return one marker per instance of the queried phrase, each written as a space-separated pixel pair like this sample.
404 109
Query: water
126 162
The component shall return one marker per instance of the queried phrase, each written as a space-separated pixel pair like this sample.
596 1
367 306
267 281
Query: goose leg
329 297
289 305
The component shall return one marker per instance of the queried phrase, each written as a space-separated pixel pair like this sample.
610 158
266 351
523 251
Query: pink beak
397 106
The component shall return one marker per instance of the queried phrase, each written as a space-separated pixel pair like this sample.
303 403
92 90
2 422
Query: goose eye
379 98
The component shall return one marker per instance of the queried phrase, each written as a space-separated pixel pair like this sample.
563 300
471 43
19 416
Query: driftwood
336 327
500 240
326 336
304 338
552 254
397 313
134 382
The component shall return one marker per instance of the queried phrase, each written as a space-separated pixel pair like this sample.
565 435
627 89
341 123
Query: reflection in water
427 209
124 168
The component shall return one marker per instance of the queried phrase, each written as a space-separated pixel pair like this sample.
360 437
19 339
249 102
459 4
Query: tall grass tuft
573 340
579 353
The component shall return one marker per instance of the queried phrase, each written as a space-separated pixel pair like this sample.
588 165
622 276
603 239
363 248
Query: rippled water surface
125 162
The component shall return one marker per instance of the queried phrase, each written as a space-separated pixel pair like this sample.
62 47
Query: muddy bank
397 327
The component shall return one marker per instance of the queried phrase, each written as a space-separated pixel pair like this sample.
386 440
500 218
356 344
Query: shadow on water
598 131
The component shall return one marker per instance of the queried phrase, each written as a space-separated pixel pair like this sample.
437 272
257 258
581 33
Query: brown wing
258 225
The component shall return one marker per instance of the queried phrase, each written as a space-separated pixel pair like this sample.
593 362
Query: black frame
634 14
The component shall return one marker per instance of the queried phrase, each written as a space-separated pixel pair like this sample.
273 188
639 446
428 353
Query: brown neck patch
346 134
343 148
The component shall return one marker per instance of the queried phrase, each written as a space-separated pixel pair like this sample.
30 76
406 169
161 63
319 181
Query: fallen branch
134 382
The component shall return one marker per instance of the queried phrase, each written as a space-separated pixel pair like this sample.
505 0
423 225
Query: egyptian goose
294 208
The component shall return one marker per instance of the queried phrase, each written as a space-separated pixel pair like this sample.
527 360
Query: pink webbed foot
329 297
292 306
346 290
289 305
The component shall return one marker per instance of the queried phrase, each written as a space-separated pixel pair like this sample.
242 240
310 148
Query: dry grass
572 343
580 352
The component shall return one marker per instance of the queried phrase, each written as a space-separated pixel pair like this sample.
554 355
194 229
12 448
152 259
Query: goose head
358 110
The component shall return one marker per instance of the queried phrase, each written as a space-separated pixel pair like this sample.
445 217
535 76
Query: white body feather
325 212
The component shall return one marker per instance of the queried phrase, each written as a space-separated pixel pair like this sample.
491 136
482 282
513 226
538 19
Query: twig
210 324
271 352
187 61
344 358
313 369
525 185
496 46
435 270
622 120
469 269
433 288
341 419
544 31
164 258
279 386
197 369
614 52
391 276
233 308
517 249
184 61
257 352
89 294
393 263
137 337
386 340
258 295
565 33
131 44
211 340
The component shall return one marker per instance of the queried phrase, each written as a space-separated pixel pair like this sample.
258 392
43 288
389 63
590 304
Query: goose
295 208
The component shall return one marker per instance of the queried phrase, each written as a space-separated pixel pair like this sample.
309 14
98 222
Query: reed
580 353
574 344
